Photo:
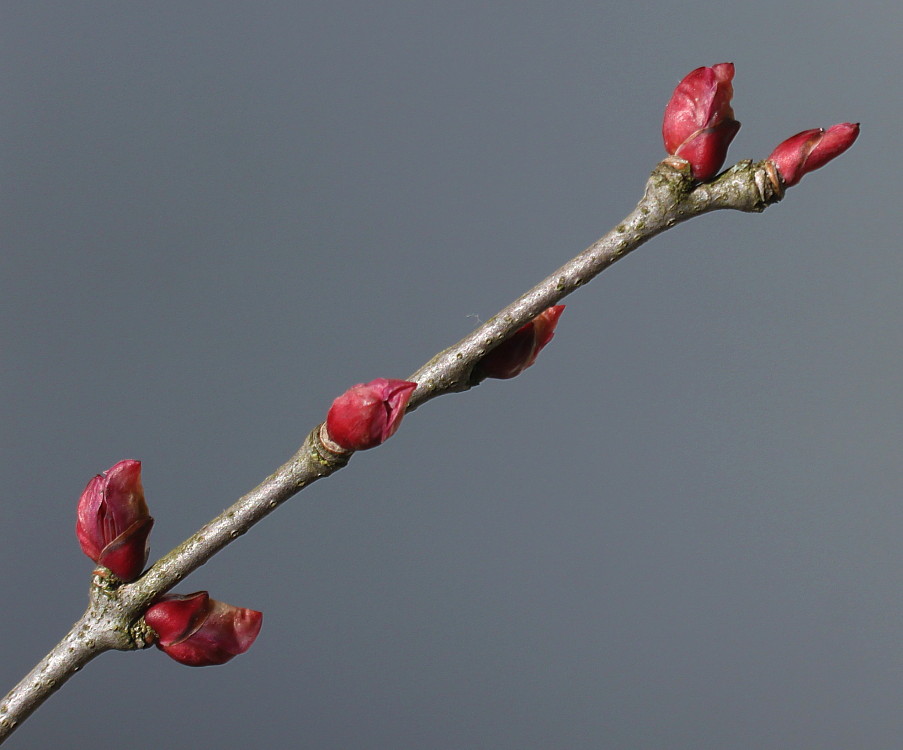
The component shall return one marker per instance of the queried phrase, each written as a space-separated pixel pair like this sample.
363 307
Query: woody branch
129 610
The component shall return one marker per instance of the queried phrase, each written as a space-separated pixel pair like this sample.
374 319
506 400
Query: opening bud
114 525
199 631
699 122
807 151
520 350
368 414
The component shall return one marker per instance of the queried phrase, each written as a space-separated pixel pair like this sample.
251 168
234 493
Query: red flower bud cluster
368 414
199 631
520 350
699 126
699 122
113 524
113 528
807 151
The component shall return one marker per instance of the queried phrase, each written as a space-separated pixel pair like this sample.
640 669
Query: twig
113 619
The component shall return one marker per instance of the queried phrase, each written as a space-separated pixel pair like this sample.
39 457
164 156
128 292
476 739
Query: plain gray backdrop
680 529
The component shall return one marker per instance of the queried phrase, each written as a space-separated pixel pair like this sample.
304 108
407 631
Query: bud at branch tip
810 149
699 122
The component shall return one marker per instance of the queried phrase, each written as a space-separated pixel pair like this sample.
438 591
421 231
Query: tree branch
107 624
113 619
669 200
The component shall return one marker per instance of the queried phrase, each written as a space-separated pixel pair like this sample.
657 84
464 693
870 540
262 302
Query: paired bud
199 631
113 524
807 151
516 353
368 414
699 122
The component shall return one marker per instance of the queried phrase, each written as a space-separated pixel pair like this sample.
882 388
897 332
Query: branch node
328 454
142 634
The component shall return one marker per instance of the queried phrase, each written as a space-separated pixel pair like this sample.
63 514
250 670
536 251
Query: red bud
199 631
807 151
516 353
368 414
113 524
699 122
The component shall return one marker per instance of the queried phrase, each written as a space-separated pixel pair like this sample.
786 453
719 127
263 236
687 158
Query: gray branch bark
114 620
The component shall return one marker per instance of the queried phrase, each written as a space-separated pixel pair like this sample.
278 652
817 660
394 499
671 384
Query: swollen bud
199 631
807 151
368 414
113 524
699 122
516 353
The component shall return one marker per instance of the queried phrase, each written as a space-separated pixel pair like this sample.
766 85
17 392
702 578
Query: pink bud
368 414
807 151
113 524
699 122
199 631
516 353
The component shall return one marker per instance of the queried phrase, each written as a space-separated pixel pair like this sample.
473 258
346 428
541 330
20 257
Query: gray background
680 529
